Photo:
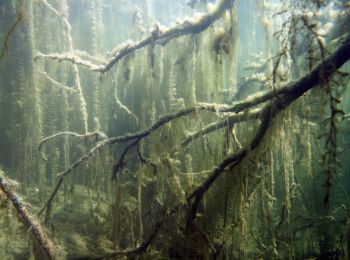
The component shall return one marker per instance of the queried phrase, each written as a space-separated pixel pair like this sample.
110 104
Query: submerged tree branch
138 136
42 241
97 134
158 36
120 164
268 113
58 84
61 176
290 93
231 119
20 17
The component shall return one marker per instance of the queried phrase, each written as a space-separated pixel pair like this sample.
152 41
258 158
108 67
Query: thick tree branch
158 36
42 241
166 119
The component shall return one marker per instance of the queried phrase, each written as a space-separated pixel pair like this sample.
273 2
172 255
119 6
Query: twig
20 17
121 162
146 160
166 119
29 221
99 136
201 173
58 84
120 104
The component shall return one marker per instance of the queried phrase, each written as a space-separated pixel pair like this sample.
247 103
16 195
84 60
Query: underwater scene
174 129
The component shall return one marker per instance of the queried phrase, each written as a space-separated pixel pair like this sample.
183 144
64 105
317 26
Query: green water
159 129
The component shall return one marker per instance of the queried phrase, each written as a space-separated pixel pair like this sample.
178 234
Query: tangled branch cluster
272 102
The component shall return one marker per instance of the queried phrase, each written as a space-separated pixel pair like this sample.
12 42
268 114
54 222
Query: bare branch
127 137
166 119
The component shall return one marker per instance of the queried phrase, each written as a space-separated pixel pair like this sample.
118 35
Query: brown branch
194 199
43 242
121 162
303 84
20 17
158 36
134 251
145 160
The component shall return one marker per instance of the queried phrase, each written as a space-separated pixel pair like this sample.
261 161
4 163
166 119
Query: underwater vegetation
159 129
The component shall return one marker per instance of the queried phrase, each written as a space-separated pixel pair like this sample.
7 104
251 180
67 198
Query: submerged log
43 247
